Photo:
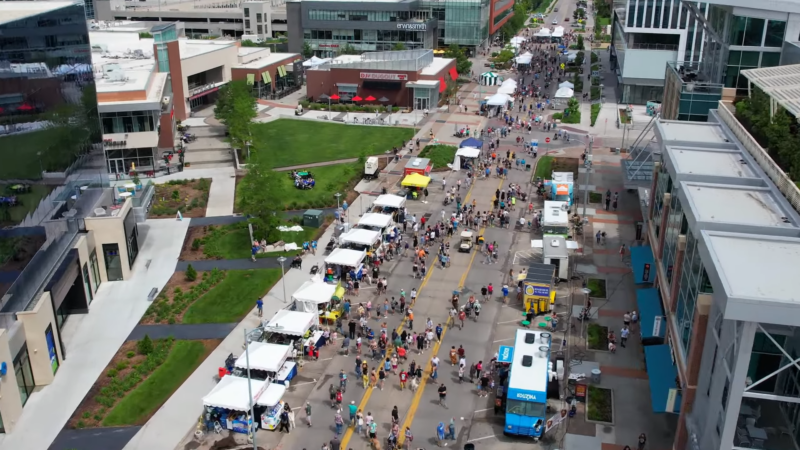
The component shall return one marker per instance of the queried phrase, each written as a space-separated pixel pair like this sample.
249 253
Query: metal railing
773 171
643 46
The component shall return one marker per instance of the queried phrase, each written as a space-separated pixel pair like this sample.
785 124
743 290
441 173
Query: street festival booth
524 59
543 34
388 203
560 187
288 326
465 158
565 92
499 103
316 296
555 251
517 40
555 220
343 263
361 240
471 142
382 223
421 166
507 89
229 403
566 84
267 362
558 34
416 183
538 291
270 404
489 79
509 82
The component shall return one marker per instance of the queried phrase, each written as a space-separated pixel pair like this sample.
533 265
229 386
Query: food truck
382 223
526 394
538 288
555 220
421 166
560 187
270 404
229 403
267 362
361 239
555 251
288 327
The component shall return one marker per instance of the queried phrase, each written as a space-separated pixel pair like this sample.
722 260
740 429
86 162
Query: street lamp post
41 167
337 195
281 260
250 390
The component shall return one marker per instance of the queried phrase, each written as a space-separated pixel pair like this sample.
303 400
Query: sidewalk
91 340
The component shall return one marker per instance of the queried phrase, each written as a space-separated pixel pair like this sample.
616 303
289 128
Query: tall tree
236 109
463 64
260 195
307 51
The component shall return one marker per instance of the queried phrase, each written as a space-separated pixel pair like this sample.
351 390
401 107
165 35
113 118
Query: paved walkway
319 164
234 264
112 438
215 220
91 340
183 331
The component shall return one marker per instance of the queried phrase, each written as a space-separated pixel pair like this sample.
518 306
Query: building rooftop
13 11
710 162
700 132
756 269
782 83
266 61
196 47
437 66
745 205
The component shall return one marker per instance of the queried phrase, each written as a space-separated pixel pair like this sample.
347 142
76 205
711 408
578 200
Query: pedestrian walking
284 422
292 424
308 413
440 434
338 421
260 307
642 441
623 335
451 429
622 251
352 409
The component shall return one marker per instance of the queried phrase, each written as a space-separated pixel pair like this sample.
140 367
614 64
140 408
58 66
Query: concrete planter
588 404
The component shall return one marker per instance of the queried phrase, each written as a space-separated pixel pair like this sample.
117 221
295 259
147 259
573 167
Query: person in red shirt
403 378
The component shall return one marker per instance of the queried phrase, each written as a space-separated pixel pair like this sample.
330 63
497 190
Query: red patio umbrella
370 99
334 97
357 99
24 107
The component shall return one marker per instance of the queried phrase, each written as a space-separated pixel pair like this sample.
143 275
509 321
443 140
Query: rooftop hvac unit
416 162
527 361
530 338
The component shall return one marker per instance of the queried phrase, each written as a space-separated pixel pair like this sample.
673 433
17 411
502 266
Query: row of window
130 122
754 32
366 35
371 16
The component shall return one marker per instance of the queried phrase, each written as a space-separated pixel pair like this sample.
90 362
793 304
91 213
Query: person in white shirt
623 335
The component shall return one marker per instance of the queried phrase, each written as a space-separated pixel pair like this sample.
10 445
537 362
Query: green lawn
595 112
440 155
597 337
231 299
233 241
544 167
20 161
29 201
296 142
597 287
144 400
602 21
329 179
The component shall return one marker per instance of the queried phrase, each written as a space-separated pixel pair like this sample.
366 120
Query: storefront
272 77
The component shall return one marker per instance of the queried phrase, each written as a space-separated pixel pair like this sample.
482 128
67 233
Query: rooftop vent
530 338
527 361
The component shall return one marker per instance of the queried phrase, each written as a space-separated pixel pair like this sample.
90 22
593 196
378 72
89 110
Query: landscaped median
141 376
440 155
190 197
233 242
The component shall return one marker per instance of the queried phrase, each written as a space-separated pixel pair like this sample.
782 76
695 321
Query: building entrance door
421 103
116 166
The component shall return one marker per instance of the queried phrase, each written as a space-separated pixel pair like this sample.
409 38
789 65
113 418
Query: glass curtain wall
49 81
663 186
130 122
694 281
466 22
24 373
676 225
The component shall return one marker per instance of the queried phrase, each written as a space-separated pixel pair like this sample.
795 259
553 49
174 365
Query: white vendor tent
566 84
508 89
232 393
509 82
264 356
498 100
374 220
564 92
524 58
272 395
544 32
465 152
518 39
291 323
390 201
558 32
345 257
360 236
314 61
312 294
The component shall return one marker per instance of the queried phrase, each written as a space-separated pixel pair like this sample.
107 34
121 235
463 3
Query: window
87 283
95 269
258 18
113 262
747 31
247 12
776 30
260 29
247 24
528 409
24 373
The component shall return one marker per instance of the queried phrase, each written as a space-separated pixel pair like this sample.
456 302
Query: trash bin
596 375
469 446
312 218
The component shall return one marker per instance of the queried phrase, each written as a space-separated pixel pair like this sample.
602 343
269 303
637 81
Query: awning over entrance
661 373
651 315
644 271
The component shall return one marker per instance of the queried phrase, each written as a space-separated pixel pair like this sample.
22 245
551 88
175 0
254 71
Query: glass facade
327 43
466 22
48 103
125 160
24 374
694 281
663 186
130 122
675 226
113 262
370 16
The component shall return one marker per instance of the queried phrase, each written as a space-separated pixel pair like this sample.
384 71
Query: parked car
555 21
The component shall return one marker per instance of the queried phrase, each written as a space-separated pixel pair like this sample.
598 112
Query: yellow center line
418 395
365 399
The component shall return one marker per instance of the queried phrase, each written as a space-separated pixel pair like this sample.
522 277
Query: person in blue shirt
253 252
314 247
488 172
260 306
344 205
505 293
439 332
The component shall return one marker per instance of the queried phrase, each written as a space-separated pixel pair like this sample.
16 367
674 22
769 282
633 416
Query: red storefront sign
328 45
384 76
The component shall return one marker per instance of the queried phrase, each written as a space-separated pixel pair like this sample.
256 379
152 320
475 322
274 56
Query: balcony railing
773 171
644 46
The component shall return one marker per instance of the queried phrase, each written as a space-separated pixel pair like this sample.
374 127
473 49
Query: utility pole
588 165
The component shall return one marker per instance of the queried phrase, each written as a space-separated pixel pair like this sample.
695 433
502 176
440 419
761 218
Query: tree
580 42
260 196
463 64
348 50
145 346
579 57
236 108
307 51
191 273
398 46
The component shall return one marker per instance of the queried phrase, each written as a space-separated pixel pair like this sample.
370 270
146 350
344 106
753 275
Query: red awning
370 99
357 99
442 85
204 93
453 73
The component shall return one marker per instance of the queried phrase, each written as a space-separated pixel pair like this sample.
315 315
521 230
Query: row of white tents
557 32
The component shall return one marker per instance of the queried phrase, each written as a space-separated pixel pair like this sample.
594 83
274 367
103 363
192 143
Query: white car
555 21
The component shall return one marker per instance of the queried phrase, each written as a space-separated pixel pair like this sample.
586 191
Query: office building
722 233
146 85
82 234
327 26
738 35
258 19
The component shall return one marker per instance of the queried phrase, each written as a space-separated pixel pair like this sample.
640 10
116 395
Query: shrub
122 365
196 244
145 346
81 424
86 415
176 194
112 373
191 273
595 112
130 354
